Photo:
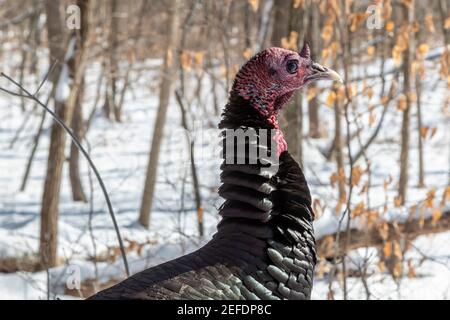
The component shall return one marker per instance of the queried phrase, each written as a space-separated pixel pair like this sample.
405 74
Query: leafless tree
408 19
168 73
64 109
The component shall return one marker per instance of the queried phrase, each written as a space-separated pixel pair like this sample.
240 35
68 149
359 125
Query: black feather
264 247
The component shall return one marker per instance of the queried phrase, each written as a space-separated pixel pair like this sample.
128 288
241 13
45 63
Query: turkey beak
319 72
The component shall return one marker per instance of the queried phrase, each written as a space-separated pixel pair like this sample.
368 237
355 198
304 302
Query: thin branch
46 77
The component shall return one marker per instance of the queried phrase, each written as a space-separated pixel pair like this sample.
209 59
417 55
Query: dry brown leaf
431 195
297 4
325 53
397 56
397 250
390 25
436 215
330 98
357 172
341 202
447 23
328 243
387 249
429 24
254 4
185 60
312 92
402 41
381 266
198 58
387 182
402 104
411 270
333 179
364 188
371 216
408 3
248 53
433 132
444 62
412 96
398 270
291 41
334 47
358 209
356 19
384 231
317 208
341 93
369 92
422 50
372 118
398 201
424 132
445 196
327 33
387 9
223 70
384 100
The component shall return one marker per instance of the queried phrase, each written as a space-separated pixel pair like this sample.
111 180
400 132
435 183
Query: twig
91 216
198 200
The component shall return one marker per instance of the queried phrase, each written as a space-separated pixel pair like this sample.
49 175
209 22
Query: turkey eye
292 66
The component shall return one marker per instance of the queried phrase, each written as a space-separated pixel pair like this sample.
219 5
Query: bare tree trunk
113 61
209 56
74 162
247 27
64 109
280 23
55 33
408 14
339 153
263 24
50 198
418 82
293 126
111 106
168 72
314 40
195 182
444 8
77 122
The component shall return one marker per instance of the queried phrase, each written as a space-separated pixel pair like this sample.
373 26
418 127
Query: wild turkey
264 247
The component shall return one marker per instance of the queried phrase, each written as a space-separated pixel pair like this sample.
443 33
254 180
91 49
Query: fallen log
372 237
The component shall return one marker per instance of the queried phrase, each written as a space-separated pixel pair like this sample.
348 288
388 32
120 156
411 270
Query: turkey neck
261 202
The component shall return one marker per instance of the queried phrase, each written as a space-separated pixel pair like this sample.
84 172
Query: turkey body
264 247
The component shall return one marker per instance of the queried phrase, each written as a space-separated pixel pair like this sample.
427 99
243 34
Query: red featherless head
271 77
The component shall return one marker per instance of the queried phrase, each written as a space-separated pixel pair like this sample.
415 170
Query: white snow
120 152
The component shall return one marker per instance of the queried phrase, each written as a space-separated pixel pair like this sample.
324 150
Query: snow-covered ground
120 152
